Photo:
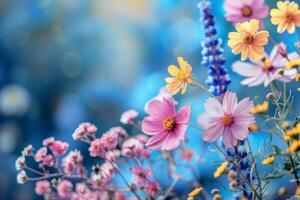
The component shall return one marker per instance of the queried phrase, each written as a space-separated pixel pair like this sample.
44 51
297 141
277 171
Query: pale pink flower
132 148
64 189
229 120
48 160
22 177
110 139
84 128
81 188
151 188
166 126
141 175
128 116
244 10
187 154
112 155
267 69
74 157
42 187
48 141
40 154
20 163
97 148
69 167
163 93
58 147
27 151
142 138
121 132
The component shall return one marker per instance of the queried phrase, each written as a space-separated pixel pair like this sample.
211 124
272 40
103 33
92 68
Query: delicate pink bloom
42 187
244 10
27 151
141 175
119 196
151 188
97 148
81 170
230 119
58 147
267 69
74 157
166 126
84 128
48 160
187 154
132 148
48 141
142 138
121 132
22 177
69 167
81 188
103 175
110 139
163 93
20 163
128 116
40 154
64 189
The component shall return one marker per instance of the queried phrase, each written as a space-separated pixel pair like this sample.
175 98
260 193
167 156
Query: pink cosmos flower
128 116
64 189
230 119
58 147
267 69
244 10
42 187
40 154
166 126
141 175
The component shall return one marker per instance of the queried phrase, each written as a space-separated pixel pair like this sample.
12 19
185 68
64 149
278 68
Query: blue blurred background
68 61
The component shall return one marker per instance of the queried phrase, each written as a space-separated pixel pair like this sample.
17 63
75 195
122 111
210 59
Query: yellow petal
173 70
169 79
244 55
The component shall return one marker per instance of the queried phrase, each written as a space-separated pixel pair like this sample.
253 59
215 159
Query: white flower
20 163
22 177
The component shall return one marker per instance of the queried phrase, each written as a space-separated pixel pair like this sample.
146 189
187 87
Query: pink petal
152 126
169 106
245 120
180 131
239 132
246 69
171 142
243 106
155 109
205 120
156 141
229 102
213 132
214 107
228 139
261 12
183 115
254 81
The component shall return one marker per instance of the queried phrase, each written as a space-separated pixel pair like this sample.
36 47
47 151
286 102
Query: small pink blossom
151 188
267 69
128 116
241 11
48 160
119 196
20 163
110 139
132 148
42 187
40 154
58 147
69 167
81 188
142 138
97 148
48 141
141 175
27 151
229 120
112 155
187 154
22 177
166 126
84 128
121 132
64 189
74 157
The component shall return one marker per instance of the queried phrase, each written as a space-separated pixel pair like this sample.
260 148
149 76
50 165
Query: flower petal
229 102
151 126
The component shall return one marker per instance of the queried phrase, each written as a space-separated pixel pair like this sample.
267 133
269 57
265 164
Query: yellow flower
253 128
287 16
292 64
269 160
221 169
195 192
260 108
292 133
297 192
248 40
295 146
181 77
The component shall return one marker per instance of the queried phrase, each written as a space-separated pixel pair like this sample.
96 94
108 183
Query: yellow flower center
267 64
246 11
227 120
181 76
169 124
249 39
